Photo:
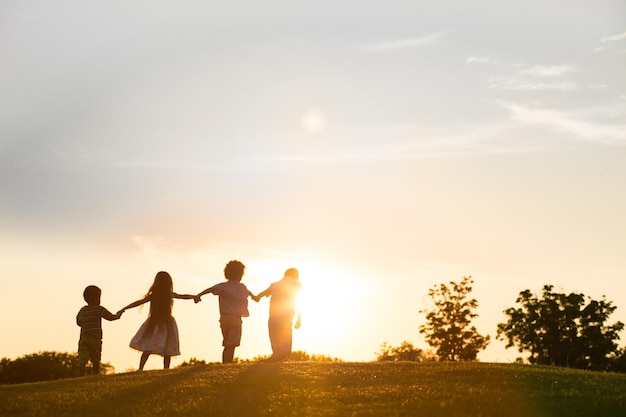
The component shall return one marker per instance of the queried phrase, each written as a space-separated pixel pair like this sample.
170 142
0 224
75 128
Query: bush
405 352
302 356
43 366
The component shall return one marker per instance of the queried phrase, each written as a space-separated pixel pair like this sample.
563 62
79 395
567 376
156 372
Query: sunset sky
380 147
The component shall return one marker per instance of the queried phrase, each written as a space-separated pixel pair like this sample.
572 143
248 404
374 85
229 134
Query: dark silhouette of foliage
302 356
619 364
193 362
405 352
560 329
447 327
42 366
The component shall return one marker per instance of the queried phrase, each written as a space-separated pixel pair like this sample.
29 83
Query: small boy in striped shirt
89 318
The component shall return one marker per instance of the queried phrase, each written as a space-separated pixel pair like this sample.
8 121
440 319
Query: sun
313 121
330 303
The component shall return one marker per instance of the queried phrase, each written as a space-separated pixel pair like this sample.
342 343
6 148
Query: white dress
163 340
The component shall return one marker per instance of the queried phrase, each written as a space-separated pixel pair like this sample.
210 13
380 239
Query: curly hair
234 271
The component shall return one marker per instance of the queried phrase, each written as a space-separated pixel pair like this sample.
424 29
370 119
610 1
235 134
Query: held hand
256 298
197 299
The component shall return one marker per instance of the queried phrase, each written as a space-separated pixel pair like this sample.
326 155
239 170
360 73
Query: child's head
234 271
292 272
162 283
92 295
161 297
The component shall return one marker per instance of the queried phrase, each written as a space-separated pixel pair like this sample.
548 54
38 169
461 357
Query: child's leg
82 368
231 332
142 361
228 354
280 337
96 368
166 362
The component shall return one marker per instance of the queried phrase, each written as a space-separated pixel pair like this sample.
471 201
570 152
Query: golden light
313 121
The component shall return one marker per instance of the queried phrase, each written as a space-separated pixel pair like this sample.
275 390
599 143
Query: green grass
327 389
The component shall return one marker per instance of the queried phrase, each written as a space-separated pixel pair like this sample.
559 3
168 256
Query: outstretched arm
136 303
208 290
107 315
254 297
196 298
265 293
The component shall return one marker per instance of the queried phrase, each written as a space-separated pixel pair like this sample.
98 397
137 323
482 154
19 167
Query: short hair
92 295
234 270
292 272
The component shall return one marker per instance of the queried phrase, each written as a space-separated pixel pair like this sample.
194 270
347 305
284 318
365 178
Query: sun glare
313 121
330 303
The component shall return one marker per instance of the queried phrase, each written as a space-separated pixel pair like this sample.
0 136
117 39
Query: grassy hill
327 389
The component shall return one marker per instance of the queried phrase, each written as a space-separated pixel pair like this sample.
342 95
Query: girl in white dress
159 333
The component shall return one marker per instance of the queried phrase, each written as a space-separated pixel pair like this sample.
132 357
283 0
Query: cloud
412 142
525 77
549 70
404 43
614 38
485 60
605 133
521 83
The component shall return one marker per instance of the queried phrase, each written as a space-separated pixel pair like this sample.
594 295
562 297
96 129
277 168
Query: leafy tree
560 329
619 364
42 366
405 352
447 327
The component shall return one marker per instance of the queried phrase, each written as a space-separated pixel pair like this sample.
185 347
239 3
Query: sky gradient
379 147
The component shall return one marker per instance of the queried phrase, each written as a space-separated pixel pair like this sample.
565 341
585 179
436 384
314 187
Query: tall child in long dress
159 333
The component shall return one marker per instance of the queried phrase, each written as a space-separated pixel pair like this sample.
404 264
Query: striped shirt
89 318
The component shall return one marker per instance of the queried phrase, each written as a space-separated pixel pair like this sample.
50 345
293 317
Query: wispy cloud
572 123
194 263
549 70
404 43
486 60
527 77
518 83
613 38
608 40
411 142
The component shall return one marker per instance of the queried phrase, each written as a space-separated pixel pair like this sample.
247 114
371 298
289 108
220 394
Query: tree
447 327
559 329
42 366
405 352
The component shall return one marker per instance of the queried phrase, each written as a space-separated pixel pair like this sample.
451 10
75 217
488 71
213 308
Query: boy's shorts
89 348
231 330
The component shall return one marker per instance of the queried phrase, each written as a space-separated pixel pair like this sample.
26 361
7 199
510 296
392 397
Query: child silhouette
159 333
282 295
89 318
233 302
